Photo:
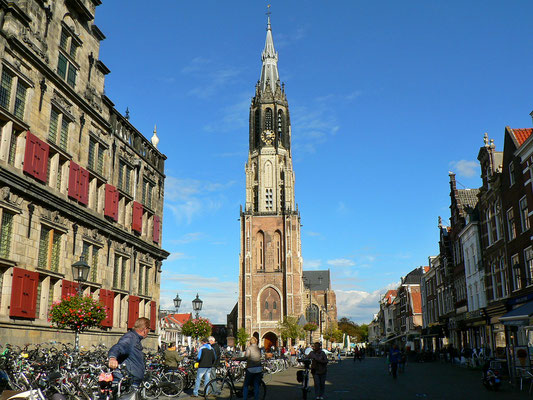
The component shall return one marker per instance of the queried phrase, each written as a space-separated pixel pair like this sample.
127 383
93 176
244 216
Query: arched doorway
270 339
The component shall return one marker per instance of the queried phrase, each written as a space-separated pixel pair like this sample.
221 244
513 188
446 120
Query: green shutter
141 280
52 132
20 100
5 89
100 166
123 274
63 40
92 148
71 78
116 271
56 250
63 140
62 66
94 266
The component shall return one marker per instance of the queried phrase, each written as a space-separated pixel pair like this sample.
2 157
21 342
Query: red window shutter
69 289
133 310
83 191
41 161
153 314
73 179
157 228
24 293
111 202
17 287
29 155
107 298
30 293
137 217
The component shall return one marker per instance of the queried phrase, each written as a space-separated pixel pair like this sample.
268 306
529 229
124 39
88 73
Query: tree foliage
359 333
289 328
333 334
242 337
197 328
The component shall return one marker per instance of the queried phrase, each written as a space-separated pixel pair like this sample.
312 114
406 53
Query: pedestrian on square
129 350
319 368
218 352
206 359
394 359
171 357
403 361
254 370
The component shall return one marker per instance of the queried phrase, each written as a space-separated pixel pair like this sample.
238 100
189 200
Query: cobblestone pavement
370 380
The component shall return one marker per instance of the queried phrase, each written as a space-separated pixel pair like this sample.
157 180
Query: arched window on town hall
260 250
278 250
270 305
312 313
268 119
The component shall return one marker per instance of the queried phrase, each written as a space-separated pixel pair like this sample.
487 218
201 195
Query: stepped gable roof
521 135
316 280
413 277
468 198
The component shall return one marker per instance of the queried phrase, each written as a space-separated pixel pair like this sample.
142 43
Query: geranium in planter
310 326
197 328
77 313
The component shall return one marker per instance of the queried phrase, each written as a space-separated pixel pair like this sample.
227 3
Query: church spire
269 70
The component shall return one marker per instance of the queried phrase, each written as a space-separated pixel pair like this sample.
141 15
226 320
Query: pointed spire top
269 70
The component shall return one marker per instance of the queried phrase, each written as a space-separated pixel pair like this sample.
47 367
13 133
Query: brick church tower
270 270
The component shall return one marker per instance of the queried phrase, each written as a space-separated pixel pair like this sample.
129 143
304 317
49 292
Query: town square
266 199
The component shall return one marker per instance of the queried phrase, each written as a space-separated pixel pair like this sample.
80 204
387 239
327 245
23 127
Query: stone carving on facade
54 217
35 42
63 103
93 235
10 198
146 259
92 97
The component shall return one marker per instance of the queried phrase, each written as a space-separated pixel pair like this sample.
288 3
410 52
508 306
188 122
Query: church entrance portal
270 339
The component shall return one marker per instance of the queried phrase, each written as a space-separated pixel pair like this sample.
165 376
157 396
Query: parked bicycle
224 387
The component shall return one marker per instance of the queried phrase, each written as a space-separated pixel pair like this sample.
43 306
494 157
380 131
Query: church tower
270 270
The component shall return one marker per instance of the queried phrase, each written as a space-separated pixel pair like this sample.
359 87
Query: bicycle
302 376
224 388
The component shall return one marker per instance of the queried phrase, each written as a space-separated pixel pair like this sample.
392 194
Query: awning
520 313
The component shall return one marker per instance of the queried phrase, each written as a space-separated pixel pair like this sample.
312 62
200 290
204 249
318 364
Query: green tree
348 327
197 328
242 337
289 328
363 333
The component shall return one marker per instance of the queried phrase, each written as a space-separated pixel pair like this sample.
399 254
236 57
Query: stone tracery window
268 119
269 302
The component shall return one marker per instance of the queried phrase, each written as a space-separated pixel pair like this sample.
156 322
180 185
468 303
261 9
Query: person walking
319 367
394 359
254 370
206 359
218 352
129 350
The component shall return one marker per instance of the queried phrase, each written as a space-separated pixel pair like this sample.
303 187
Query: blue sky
385 97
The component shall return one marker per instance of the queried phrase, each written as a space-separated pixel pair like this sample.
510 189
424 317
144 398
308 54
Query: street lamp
197 305
177 302
80 272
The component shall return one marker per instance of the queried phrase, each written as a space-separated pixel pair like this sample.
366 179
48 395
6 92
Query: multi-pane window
124 177
7 82
96 156
511 174
524 217
515 268
89 254
144 275
5 234
269 203
58 129
268 119
147 193
66 67
528 257
120 272
49 249
511 228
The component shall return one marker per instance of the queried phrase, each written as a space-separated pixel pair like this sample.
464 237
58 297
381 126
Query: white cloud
358 305
187 238
466 168
212 76
341 262
187 198
176 256
312 264
218 296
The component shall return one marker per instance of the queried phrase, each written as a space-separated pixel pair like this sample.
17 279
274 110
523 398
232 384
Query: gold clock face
267 136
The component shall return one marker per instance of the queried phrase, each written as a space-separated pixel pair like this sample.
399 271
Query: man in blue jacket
129 350
206 359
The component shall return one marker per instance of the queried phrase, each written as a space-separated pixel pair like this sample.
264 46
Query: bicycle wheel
219 389
150 389
172 384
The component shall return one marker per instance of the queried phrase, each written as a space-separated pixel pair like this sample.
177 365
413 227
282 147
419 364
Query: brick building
77 179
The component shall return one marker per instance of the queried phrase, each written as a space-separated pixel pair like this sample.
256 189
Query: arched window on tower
268 119
280 125
257 126
277 247
269 302
260 251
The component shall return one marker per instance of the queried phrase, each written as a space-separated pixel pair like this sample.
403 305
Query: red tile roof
426 269
180 318
521 135
390 295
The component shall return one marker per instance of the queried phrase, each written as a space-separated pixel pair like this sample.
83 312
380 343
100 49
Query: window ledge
45 271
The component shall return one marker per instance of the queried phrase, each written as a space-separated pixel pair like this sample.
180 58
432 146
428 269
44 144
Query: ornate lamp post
197 305
177 302
80 272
